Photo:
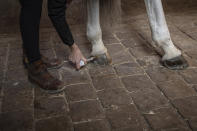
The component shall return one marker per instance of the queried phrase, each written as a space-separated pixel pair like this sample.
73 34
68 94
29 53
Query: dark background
9 12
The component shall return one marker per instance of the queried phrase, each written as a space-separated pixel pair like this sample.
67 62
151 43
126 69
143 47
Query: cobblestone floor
135 93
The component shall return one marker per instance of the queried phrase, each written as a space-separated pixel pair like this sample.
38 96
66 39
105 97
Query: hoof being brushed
103 59
177 63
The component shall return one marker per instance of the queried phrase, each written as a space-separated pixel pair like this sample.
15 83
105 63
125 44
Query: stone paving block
144 32
2 84
2 62
17 96
166 119
80 92
67 66
108 38
61 51
0 105
3 55
130 129
80 39
3 44
115 49
149 100
193 35
15 52
176 89
101 70
123 28
123 117
142 25
186 24
15 64
114 97
192 53
45 36
122 57
138 83
128 69
149 61
183 41
87 110
99 125
106 82
71 76
125 35
186 44
119 54
140 52
161 74
108 41
1 88
190 75
40 93
78 29
17 121
86 49
187 106
3 49
1 75
60 123
16 75
49 107
132 42
45 45
191 62
48 53
195 87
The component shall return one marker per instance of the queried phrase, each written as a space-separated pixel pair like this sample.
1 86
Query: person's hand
76 56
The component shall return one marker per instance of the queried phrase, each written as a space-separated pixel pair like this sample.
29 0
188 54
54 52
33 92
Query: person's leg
29 25
36 66
56 12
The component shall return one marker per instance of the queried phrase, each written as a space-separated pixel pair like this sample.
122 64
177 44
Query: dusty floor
136 93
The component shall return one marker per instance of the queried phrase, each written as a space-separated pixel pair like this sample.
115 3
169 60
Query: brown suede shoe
38 75
50 63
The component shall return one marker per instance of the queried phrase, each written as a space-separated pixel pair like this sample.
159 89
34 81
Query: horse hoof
103 59
177 63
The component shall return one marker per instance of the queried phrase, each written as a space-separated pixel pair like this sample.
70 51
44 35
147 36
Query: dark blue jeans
30 21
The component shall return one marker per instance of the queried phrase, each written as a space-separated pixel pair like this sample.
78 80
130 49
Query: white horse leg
94 33
161 35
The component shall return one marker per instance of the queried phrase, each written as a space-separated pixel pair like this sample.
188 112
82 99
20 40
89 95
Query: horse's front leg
94 33
172 58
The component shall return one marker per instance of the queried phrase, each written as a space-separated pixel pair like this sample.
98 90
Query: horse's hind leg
172 58
94 32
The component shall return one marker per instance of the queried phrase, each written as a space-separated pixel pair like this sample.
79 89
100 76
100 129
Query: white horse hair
160 32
